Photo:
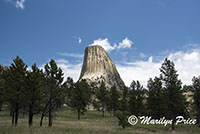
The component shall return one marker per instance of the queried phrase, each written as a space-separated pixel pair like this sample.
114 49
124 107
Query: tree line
43 91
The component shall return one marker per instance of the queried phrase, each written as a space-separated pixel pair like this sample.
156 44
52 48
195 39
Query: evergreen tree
156 103
80 97
94 101
137 99
122 119
68 88
15 87
124 100
196 87
2 86
132 103
102 96
34 92
53 91
114 99
172 86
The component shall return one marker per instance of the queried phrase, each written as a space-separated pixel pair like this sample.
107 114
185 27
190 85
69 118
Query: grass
66 122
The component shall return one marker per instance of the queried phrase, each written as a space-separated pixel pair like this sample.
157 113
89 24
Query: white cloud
69 70
126 43
142 55
20 4
138 70
75 55
79 40
104 43
186 63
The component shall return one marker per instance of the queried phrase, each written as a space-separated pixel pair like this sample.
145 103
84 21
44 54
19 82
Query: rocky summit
97 66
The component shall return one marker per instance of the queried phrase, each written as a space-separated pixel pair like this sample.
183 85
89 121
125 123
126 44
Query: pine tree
80 97
114 99
122 119
132 104
2 86
15 87
94 101
54 92
102 96
172 86
137 99
156 103
124 101
196 87
34 92
68 86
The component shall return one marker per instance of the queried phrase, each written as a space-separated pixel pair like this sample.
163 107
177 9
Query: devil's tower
97 66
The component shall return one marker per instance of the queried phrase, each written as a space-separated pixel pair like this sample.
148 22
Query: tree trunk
50 117
79 112
16 112
30 119
13 116
16 116
43 114
41 120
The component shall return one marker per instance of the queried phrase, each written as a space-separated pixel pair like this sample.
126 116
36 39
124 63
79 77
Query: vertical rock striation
97 66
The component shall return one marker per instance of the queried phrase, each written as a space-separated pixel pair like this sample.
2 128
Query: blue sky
38 30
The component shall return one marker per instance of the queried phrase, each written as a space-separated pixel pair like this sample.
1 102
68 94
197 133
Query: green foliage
2 86
54 93
156 101
196 88
102 96
15 87
124 101
80 96
34 92
136 101
122 119
114 96
172 86
68 86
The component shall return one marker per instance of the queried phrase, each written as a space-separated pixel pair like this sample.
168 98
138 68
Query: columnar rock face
98 66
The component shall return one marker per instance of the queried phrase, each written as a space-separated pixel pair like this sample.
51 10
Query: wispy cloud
79 40
126 43
142 55
75 55
20 4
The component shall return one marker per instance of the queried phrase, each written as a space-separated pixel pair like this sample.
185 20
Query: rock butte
97 66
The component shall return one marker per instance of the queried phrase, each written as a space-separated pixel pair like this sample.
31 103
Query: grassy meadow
65 122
